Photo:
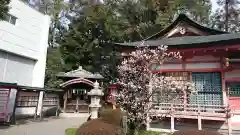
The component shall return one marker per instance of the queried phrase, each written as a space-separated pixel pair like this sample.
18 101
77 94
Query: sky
214 5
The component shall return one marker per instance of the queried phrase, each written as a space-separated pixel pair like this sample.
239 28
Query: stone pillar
96 93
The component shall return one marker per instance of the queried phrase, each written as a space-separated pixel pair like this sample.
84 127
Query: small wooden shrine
77 84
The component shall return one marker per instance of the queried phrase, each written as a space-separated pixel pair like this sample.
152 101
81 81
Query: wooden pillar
58 106
41 106
184 64
15 106
172 119
224 90
36 110
229 126
148 124
199 119
65 102
229 120
77 104
172 123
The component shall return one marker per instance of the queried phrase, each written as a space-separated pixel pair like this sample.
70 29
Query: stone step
74 115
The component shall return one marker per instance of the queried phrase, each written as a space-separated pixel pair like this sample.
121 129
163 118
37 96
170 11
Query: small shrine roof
187 40
80 73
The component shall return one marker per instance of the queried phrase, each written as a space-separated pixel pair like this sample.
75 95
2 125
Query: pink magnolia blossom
137 81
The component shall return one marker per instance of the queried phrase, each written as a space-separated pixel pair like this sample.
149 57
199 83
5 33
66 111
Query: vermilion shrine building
210 59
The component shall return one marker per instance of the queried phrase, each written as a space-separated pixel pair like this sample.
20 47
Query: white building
23 45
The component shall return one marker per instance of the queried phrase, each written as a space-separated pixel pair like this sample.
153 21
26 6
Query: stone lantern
95 93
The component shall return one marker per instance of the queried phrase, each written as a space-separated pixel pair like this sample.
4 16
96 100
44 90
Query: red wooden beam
234 79
189 70
192 62
214 48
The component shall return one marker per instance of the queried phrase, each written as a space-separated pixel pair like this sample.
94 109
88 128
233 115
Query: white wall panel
203 58
171 66
232 74
3 56
202 65
19 70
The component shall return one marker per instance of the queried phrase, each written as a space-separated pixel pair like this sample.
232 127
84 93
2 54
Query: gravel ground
46 127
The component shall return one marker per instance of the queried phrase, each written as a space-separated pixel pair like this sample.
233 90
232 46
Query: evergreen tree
90 39
96 27
227 15
54 65
146 17
4 8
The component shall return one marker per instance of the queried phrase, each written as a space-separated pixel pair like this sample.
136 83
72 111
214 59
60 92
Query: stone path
45 127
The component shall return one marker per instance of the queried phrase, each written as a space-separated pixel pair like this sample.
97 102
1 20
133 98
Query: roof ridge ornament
182 30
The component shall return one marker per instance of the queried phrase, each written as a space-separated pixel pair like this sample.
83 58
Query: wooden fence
190 111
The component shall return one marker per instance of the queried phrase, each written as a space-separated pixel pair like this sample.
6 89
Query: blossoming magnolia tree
137 82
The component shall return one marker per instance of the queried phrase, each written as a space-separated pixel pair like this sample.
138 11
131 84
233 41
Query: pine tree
227 16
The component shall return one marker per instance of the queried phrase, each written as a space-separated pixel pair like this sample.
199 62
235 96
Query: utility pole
226 15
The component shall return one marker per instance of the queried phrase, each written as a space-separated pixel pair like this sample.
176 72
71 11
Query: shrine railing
189 110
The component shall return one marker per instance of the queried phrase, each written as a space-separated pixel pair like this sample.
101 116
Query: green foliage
199 10
54 65
113 117
71 131
218 20
90 40
4 8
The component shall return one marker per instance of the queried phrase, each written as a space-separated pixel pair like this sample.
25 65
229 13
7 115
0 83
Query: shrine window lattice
234 89
3 99
208 87
50 99
27 101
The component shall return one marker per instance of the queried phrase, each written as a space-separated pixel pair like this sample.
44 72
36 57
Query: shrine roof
80 73
8 84
29 88
187 40
184 21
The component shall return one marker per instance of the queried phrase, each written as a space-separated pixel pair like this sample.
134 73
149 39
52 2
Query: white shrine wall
203 58
171 66
232 74
197 62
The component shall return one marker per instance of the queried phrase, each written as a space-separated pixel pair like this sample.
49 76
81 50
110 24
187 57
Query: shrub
73 131
98 127
109 123
152 133
196 133
112 116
